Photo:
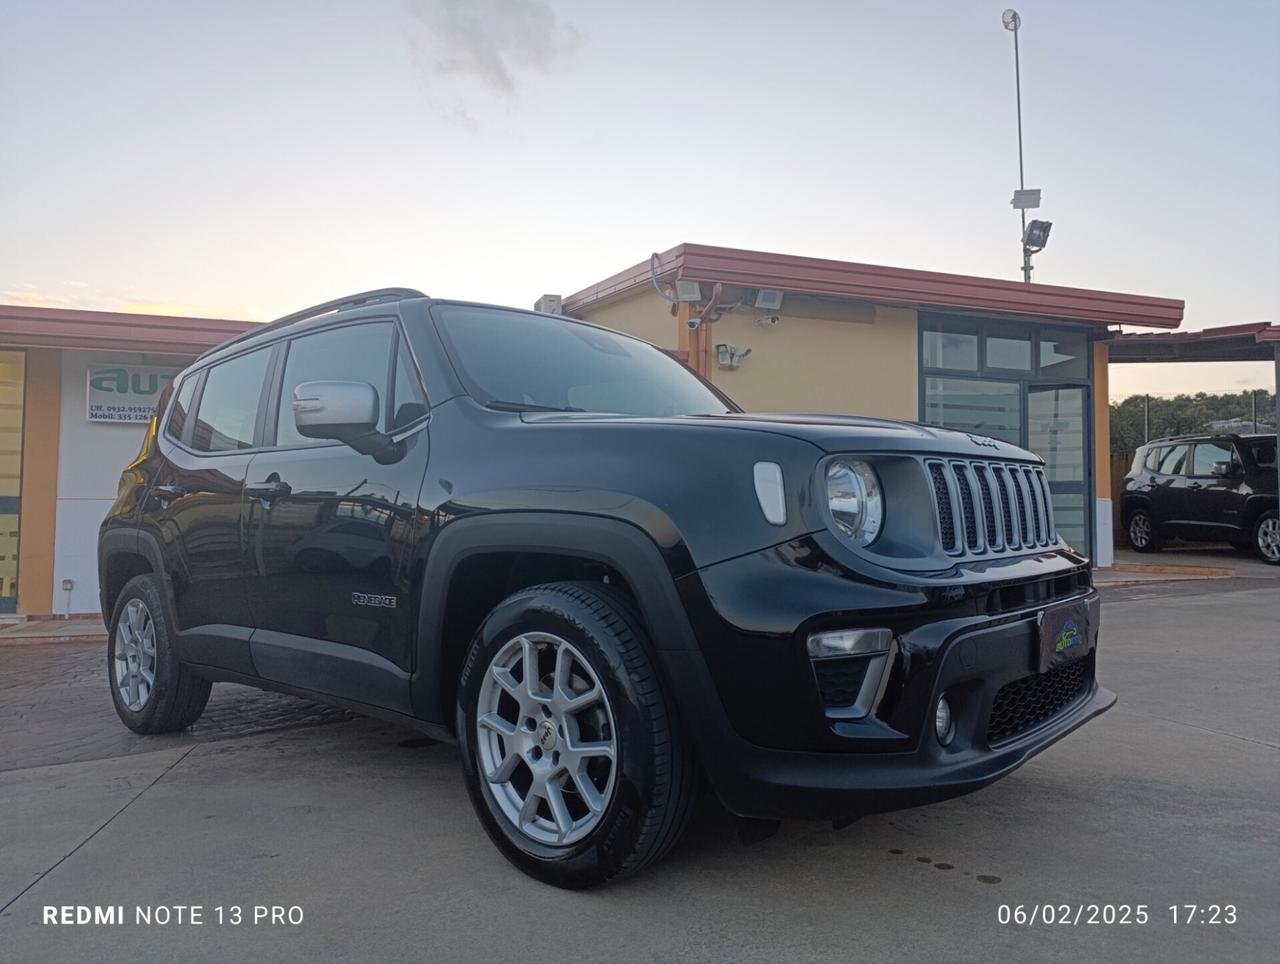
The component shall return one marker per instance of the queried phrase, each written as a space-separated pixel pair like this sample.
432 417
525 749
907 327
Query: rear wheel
152 691
1142 532
1266 537
574 762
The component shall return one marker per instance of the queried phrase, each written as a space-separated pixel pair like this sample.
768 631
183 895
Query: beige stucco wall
645 314
822 356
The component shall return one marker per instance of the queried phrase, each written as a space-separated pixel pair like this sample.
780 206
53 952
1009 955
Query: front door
331 530
1211 503
1058 433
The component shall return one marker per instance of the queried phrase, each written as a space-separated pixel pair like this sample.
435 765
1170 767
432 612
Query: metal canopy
1253 342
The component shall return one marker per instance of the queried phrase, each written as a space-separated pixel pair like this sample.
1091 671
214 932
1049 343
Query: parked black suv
1206 488
558 546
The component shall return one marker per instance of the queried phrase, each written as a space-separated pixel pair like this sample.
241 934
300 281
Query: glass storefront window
1063 355
1012 352
975 405
1056 432
12 380
956 350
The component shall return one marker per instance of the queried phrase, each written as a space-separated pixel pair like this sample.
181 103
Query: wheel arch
122 554
613 546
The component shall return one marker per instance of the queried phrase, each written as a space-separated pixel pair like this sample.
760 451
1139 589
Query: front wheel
1142 532
1266 537
574 762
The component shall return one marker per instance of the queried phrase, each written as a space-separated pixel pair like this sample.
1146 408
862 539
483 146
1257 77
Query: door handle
268 491
164 494
1195 485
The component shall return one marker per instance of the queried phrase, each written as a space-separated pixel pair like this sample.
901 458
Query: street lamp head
1036 235
1010 19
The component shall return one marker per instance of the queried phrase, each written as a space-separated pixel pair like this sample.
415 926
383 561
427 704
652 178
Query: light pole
1036 235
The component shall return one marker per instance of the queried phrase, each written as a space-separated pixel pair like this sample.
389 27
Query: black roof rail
1193 436
376 296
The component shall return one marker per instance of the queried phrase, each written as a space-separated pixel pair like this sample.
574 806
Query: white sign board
124 393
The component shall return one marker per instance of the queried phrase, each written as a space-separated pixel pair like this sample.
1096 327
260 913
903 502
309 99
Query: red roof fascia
114 330
929 289
1260 330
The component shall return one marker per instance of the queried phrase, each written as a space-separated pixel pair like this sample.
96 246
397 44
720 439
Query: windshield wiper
501 406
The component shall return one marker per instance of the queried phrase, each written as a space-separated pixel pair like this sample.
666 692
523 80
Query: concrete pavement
1170 798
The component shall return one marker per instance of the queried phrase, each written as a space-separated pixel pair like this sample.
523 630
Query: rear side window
228 408
1264 453
1153 459
1172 458
181 407
355 353
1207 453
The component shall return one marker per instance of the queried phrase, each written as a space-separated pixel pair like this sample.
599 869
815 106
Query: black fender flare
134 541
620 545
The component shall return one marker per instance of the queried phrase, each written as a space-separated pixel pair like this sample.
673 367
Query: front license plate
1067 632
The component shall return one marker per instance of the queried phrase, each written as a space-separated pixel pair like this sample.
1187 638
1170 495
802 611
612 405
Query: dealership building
1022 362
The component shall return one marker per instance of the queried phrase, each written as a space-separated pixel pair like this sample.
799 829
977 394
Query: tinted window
359 353
1264 453
181 406
229 404
523 359
1208 453
407 401
1153 459
1171 459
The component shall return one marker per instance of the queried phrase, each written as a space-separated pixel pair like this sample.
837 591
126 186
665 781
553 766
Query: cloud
79 294
465 47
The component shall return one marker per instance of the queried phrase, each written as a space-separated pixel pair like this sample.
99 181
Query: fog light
849 642
943 724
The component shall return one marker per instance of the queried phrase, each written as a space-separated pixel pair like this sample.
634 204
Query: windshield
514 360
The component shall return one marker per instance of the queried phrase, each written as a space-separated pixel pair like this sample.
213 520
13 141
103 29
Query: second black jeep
1204 488
556 545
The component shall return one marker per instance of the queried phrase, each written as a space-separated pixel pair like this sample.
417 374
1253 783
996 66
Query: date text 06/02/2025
164 915
1029 915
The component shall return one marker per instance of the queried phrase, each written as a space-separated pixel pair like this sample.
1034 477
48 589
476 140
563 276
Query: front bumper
788 758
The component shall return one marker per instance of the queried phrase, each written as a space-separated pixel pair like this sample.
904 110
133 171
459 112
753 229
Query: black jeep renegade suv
556 545
1204 488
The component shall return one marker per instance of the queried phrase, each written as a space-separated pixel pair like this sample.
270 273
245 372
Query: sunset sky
245 159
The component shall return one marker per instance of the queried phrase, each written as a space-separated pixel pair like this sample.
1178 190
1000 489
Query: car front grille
1031 700
988 508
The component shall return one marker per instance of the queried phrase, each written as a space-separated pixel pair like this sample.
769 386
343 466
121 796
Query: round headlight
855 500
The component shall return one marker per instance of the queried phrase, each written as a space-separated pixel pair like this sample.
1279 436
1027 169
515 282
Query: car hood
831 433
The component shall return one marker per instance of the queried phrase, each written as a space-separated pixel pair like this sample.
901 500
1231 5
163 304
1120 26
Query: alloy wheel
546 739
1269 539
1140 531
135 652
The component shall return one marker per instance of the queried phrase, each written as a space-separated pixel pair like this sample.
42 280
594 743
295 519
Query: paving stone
55 707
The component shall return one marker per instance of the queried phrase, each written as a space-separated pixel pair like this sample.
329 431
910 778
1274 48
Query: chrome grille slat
988 508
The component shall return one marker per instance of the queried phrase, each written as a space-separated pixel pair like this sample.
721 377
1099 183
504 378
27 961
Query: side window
229 403
181 406
359 353
1207 453
1153 459
1264 453
408 404
1172 458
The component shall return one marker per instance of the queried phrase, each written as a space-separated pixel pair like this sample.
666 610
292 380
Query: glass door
1057 432
12 377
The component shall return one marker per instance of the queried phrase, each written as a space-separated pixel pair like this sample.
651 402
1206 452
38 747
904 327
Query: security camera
694 323
768 321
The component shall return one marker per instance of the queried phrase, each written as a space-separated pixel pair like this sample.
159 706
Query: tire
1266 537
1143 536
642 797
176 697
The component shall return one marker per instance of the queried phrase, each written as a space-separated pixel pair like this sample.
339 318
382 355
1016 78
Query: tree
1187 414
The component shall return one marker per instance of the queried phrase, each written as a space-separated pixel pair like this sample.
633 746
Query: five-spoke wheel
135 655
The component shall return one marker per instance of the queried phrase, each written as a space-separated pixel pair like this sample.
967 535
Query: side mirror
1224 469
346 412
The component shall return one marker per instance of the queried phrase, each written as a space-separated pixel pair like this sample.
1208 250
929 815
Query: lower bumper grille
840 679
1029 701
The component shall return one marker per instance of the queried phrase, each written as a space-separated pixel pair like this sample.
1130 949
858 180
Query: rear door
331 530
194 505
1168 485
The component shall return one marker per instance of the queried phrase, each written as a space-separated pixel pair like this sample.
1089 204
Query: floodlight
1036 235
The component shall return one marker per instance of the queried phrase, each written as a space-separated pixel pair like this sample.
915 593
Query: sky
245 159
